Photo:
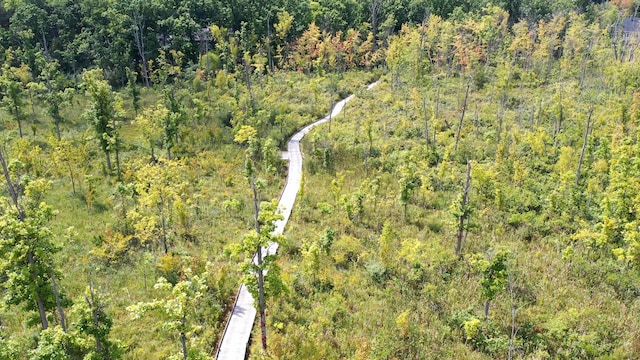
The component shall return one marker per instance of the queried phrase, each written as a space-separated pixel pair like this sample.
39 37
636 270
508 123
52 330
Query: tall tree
264 216
179 306
93 320
494 278
151 123
13 89
138 15
26 246
56 95
102 112
159 185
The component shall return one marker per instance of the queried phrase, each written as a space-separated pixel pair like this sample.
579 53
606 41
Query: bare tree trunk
421 49
54 105
19 119
486 309
94 312
437 101
73 181
247 79
464 110
164 235
108 156
514 311
63 322
261 301
462 217
585 141
10 186
115 134
138 36
558 122
269 44
183 338
426 120
163 222
539 117
39 300
476 118
56 117
331 113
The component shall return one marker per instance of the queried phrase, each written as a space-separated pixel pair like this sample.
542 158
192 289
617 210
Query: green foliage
370 263
94 323
51 345
12 87
274 287
134 92
494 275
176 307
27 249
116 225
102 112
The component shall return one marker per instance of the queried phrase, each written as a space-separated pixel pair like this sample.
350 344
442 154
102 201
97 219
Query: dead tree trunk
269 44
463 217
464 110
426 121
163 223
261 300
63 322
116 148
585 141
421 48
95 309
514 311
183 337
437 102
138 36
487 303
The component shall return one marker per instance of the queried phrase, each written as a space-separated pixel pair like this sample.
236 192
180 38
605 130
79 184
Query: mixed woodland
481 202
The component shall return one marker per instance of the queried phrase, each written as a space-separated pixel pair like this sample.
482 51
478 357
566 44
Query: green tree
13 90
69 157
494 278
93 321
409 181
102 112
138 18
158 185
52 345
56 95
134 92
268 281
387 246
27 248
264 216
462 211
151 123
282 29
179 306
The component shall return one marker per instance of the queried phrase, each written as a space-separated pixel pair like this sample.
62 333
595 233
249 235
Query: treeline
116 35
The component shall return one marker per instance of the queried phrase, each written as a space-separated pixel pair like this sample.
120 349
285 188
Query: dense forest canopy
481 202
116 35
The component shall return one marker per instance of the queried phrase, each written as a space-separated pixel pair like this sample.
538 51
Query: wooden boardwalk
235 338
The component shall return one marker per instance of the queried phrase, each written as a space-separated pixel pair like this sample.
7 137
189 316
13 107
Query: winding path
238 330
